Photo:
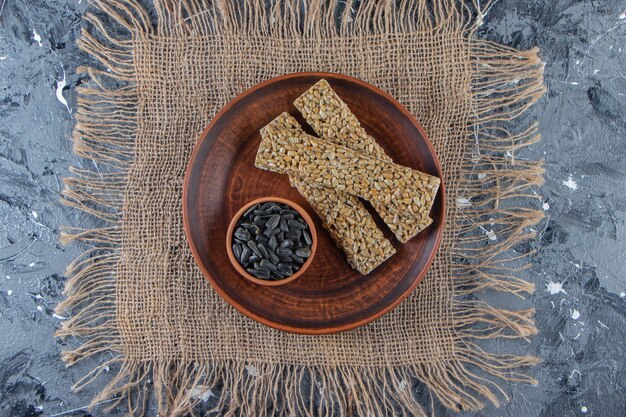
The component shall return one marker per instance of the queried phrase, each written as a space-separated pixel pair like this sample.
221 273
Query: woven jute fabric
137 292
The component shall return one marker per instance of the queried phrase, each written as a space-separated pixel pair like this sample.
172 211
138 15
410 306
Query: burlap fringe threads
507 82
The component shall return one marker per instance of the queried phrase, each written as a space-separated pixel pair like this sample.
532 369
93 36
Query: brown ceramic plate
221 177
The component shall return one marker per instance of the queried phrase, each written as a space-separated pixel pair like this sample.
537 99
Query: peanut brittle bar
349 223
398 189
331 118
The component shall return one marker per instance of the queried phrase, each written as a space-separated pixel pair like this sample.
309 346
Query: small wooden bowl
239 267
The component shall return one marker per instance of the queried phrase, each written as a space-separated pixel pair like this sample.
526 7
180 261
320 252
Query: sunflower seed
287 243
280 237
263 250
265 264
262 238
252 245
245 255
284 268
283 251
253 258
283 225
303 252
307 238
260 223
273 257
272 243
295 224
297 259
271 232
285 258
293 235
289 211
267 205
242 234
237 251
259 273
276 276
273 221
248 212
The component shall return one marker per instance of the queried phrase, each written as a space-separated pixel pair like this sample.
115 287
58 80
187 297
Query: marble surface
579 270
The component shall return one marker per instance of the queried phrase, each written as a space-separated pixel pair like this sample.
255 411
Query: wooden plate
221 177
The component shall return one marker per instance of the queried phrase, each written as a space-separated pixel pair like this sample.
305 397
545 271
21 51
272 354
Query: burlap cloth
137 293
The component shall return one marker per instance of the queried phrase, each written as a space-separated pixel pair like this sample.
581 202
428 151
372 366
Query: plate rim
331 329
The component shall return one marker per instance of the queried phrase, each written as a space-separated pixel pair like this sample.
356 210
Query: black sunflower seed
282 251
293 235
242 234
237 251
284 268
253 258
263 250
267 205
250 210
260 273
285 258
297 259
245 255
265 264
273 257
287 243
276 276
283 225
271 232
272 243
287 216
303 252
280 237
295 224
252 245
262 238
307 238
289 211
273 221
260 223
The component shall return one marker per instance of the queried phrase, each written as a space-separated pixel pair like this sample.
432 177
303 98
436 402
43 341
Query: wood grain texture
221 177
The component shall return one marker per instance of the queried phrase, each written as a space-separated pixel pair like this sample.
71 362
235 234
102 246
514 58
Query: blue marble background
579 271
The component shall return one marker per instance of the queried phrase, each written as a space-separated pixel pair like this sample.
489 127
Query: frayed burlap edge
506 82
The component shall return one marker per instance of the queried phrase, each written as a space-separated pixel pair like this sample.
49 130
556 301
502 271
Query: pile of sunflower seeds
271 241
